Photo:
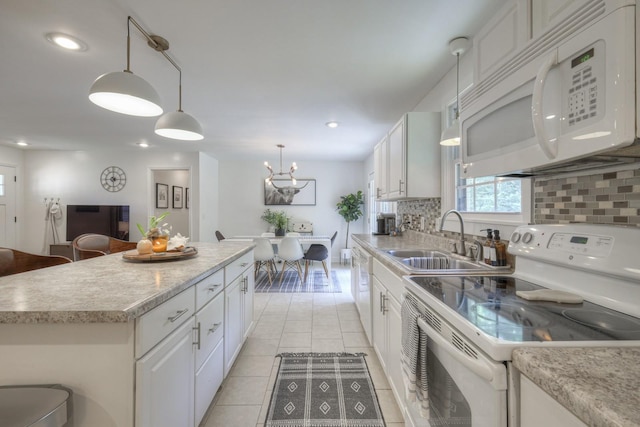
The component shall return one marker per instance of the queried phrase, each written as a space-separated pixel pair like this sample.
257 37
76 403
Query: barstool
47 405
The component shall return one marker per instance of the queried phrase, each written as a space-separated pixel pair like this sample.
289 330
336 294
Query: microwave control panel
584 79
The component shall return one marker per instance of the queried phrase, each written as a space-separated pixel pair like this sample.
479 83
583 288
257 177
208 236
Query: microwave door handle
550 149
477 366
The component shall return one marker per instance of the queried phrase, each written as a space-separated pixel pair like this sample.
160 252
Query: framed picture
177 197
186 198
162 196
283 192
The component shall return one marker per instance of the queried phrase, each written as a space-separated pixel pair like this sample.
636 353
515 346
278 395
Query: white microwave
566 101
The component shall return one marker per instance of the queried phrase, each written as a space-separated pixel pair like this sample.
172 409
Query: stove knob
515 237
527 237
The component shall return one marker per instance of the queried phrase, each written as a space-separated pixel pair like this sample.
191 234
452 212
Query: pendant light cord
457 85
158 47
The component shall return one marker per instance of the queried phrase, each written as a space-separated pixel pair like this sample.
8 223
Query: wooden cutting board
550 295
133 255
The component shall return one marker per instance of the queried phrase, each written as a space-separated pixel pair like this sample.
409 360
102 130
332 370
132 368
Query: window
488 194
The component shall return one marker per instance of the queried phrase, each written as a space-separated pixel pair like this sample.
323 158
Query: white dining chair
263 256
290 252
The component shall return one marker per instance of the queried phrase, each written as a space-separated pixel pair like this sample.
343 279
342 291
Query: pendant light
292 169
127 93
124 92
451 135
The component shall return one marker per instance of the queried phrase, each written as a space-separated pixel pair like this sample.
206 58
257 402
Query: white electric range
473 323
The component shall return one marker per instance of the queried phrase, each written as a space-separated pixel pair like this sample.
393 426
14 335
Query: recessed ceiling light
66 41
22 143
332 125
143 144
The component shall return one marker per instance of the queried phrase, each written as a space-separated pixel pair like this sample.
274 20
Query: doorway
7 206
175 185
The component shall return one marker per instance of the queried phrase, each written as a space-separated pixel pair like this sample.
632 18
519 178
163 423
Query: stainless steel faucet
461 249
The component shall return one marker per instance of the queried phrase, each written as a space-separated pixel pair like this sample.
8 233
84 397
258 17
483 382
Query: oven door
466 388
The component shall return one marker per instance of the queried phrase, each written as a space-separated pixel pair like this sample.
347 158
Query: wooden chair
13 261
92 245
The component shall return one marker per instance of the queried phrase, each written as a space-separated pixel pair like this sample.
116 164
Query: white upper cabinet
407 161
507 32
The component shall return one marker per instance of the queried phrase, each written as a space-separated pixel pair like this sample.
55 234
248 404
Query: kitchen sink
410 253
435 262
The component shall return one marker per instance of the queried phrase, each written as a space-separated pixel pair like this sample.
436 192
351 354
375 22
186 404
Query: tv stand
63 249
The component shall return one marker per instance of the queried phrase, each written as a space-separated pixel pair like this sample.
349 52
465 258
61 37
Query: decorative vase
279 231
159 243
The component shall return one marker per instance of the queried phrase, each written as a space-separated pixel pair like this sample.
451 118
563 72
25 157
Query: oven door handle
478 366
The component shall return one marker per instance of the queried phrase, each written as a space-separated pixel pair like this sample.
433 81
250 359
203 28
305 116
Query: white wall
242 198
206 202
74 177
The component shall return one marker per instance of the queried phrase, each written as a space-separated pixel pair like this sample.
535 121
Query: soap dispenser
500 250
487 246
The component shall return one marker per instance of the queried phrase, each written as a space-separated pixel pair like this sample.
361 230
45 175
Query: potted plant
349 208
156 237
278 219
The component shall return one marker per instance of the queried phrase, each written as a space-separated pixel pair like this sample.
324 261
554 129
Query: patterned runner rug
323 389
316 282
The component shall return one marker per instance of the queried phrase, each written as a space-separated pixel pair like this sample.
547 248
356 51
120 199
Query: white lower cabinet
165 381
387 324
208 379
238 308
538 408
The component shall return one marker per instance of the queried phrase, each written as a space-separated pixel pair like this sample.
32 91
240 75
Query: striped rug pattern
316 282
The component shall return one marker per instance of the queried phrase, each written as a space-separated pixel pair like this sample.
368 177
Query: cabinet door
380 168
247 303
379 321
208 380
394 343
397 160
209 327
546 13
233 322
165 382
537 408
500 38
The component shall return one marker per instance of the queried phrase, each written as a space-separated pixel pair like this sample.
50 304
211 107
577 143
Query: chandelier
292 169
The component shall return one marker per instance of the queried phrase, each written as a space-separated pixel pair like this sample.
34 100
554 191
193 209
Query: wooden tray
133 255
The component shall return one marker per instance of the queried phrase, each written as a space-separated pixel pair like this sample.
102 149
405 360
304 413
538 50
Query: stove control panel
604 249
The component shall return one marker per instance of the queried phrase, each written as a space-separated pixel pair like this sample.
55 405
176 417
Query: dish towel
414 356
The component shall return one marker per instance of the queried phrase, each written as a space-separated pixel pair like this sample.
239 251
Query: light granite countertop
107 289
600 385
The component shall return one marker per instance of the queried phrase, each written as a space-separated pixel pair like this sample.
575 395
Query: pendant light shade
125 93
451 135
179 125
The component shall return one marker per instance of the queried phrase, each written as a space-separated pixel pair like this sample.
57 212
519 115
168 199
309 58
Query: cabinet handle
384 304
178 315
214 327
214 287
197 329
244 264
245 288
400 186
381 302
377 192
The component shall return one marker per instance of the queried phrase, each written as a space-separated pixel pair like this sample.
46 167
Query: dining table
304 240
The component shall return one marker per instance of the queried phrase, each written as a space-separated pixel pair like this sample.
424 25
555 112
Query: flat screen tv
100 219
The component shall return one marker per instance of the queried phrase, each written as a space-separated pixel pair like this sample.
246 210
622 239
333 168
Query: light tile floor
321 322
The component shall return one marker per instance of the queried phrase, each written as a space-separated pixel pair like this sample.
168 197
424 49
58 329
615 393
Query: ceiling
254 73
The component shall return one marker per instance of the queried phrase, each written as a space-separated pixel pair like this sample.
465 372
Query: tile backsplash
601 198
419 215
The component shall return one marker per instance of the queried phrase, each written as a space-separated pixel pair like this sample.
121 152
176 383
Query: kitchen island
86 325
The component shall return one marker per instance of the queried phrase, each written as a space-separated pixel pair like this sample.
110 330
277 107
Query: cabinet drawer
208 380
153 326
208 288
236 268
209 325
391 281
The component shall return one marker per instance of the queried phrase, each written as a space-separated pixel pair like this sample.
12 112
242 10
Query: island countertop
107 289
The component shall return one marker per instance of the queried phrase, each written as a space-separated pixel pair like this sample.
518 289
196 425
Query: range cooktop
490 304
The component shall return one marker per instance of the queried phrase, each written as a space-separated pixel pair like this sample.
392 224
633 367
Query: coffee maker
385 223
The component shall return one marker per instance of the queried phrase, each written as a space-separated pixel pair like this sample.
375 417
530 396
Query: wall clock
113 178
